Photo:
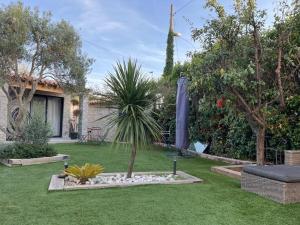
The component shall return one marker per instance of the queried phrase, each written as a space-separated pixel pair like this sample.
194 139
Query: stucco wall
97 111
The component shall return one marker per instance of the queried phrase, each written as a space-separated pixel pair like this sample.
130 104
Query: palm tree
133 94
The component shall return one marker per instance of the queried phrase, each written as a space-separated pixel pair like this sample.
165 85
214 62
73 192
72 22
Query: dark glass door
54 115
50 110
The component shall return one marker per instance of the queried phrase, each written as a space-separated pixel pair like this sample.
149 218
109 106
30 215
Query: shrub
25 151
85 172
36 131
32 144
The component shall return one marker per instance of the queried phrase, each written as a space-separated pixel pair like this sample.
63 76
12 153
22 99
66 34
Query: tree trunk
20 122
16 95
131 161
278 77
260 146
257 45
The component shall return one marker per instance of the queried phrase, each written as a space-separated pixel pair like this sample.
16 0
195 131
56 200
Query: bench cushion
284 173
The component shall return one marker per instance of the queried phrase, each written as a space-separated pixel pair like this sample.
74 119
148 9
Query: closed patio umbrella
182 112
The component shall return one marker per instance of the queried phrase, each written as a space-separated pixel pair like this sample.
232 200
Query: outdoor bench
280 183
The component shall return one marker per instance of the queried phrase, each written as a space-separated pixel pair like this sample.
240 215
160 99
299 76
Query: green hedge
25 151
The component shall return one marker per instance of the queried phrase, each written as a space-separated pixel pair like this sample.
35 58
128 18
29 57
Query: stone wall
96 111
3 115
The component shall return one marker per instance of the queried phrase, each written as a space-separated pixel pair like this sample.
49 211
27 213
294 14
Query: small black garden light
174 165
66 165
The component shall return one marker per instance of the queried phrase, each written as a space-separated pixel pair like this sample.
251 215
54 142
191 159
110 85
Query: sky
114 30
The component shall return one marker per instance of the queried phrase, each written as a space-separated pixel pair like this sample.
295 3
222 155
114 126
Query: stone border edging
211 157
57 184
34 161
220 158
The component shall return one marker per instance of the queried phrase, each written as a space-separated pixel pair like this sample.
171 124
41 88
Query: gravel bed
121 179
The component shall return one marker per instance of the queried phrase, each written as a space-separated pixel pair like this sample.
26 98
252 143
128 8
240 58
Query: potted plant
75 102
73 135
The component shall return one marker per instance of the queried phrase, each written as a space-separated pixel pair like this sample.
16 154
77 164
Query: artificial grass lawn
24 199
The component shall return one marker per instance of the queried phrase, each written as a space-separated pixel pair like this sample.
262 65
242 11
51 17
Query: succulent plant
85 172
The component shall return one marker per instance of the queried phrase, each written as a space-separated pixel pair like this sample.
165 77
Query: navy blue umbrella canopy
182 113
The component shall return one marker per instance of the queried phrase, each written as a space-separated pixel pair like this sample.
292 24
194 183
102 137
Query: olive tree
33 48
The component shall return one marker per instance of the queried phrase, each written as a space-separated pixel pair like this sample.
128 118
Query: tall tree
33 48
134 96
170 48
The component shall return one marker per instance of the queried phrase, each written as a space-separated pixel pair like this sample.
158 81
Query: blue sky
117 29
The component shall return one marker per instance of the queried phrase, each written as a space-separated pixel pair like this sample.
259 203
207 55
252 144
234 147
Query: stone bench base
33 161
278 191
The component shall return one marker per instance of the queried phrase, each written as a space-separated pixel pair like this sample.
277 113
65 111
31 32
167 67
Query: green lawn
24 199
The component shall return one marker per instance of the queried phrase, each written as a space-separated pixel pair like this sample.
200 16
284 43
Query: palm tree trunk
131 161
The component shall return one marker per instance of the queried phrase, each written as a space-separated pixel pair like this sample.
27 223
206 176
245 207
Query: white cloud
95 19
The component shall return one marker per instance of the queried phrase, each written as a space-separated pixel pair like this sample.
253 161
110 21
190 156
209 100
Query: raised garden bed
109 180
33 161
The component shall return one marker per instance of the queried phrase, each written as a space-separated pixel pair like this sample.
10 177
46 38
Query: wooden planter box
292 157
33 161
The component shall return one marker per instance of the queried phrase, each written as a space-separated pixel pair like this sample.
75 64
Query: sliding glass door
38 106
50 109
54 114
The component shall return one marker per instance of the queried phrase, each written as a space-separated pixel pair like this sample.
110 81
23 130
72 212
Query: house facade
52 104
58 110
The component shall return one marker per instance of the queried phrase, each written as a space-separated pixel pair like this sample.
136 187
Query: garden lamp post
66 165
174 165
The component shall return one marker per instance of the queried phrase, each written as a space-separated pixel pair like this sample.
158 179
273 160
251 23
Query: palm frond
133 94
